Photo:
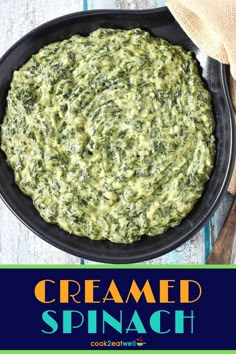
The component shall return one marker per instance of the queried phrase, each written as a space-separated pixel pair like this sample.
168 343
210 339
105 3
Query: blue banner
117 309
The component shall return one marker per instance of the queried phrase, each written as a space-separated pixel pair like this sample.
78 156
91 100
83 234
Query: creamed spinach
111 135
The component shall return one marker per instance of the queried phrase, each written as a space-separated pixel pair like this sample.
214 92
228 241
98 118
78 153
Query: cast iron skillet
159 23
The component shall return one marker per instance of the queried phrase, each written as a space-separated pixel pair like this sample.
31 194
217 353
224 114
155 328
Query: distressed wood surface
18 245
222 251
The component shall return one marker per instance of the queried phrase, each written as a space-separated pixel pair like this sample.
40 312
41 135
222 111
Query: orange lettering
40 291
184 291
164 291
116 297
89 291
136 292
65 291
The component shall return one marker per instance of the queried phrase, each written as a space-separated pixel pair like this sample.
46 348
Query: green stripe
118 351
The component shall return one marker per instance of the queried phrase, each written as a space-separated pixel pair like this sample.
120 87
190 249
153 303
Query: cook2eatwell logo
109 343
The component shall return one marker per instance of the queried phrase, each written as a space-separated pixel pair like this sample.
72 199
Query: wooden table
18 245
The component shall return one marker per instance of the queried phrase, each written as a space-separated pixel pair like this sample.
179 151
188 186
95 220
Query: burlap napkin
211 24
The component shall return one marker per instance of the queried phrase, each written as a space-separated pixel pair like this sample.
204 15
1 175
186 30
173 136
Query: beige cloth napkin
211 24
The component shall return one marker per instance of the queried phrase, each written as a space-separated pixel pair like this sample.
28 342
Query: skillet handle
222 250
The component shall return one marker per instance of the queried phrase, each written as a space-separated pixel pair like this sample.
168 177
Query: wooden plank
18 245
222 251
122 4
20 16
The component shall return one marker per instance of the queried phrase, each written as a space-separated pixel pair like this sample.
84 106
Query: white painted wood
17 17
122 4
101 4
18 245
